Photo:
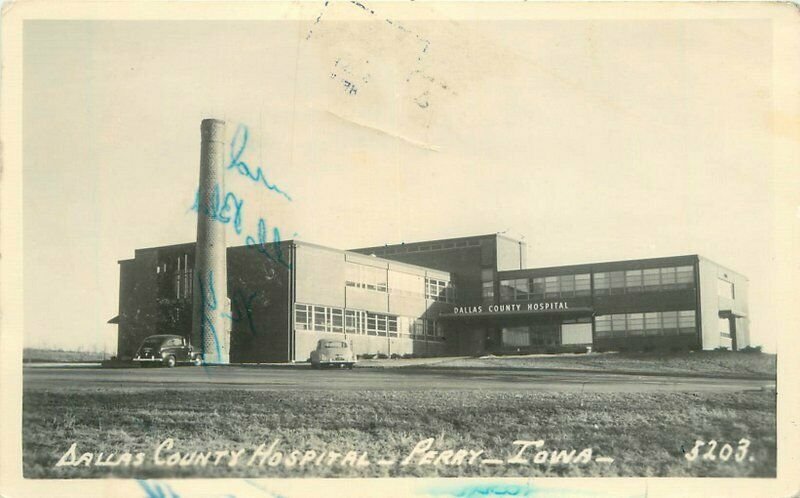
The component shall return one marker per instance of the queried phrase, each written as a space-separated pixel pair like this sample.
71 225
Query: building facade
461 296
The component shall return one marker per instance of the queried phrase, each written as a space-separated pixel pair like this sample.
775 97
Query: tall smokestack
210 328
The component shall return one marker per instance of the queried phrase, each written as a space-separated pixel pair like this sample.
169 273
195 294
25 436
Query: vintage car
333 353
167 350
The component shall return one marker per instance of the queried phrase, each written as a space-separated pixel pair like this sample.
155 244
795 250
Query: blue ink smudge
236 152
155 489
205 322
246 302
217 212
218 208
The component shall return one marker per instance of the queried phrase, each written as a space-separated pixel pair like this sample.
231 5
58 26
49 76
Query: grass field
720 363
34 355
645 434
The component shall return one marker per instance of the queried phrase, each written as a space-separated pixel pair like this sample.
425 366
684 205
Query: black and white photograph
399 249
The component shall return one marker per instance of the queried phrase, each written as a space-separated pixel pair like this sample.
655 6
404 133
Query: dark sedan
167 350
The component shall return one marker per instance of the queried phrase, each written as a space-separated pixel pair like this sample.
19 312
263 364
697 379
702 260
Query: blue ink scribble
157 490
261 246
238 144
262 488
247 303
220 209
485 489
231 208
205 321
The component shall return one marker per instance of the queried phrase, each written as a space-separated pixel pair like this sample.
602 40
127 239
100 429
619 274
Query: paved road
296 378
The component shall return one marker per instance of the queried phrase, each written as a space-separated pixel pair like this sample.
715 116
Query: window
521 289
430 329
651 278
487 291
352 322
686 321
668 280
419 329
618 325
372 324
319 318
391 323
436 290
633 280
652 323
725 289
684 275
635 324
336 321
567 285
506 290
551 287
537 287
602 326
617 280
601 283
669 322
301 316
583 284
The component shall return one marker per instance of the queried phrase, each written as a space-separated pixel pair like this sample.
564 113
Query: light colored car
167 350
333 353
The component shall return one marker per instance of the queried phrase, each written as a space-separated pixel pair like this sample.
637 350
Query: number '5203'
716 452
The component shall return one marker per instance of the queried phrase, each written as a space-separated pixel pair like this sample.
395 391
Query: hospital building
451 297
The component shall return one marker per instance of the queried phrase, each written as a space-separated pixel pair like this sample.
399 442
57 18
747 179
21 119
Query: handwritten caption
275 454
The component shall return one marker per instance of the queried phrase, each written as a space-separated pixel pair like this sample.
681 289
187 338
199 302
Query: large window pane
319 318
506 290
567 285
551 287
668 279
685 275
521 289
602 282
669 322
686 321
336 320
582 284
633 280
652 323
617 279
635 324
301 318
537 287
651 278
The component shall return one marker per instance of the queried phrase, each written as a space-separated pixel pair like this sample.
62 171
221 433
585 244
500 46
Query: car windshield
334 344
152 342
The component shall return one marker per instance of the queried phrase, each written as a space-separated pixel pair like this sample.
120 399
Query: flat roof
623 263
440 241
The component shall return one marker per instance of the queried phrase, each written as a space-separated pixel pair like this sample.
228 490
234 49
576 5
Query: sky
594 140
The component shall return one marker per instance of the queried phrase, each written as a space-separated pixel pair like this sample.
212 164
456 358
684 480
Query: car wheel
170 361
197 361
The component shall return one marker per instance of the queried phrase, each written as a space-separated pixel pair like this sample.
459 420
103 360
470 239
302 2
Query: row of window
381 280
649 279
525 289
331 319
615 282
428 247
637 324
